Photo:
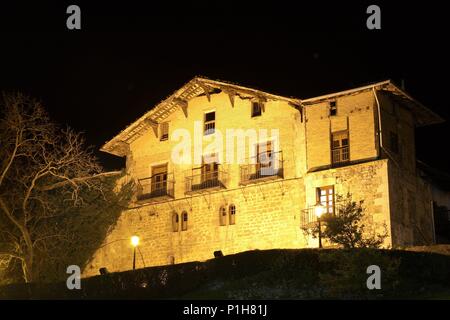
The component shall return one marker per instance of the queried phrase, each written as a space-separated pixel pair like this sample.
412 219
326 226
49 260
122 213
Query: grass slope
268 274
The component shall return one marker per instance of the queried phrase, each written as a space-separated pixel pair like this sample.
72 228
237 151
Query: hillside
271 274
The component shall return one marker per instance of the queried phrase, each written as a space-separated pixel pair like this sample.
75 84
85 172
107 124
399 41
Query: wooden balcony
197 180
258 168
156 188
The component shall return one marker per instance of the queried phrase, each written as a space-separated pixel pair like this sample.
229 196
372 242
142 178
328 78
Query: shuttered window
164 131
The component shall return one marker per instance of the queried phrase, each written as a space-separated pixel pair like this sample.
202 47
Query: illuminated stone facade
338 141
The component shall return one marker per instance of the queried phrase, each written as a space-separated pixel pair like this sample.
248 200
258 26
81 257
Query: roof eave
196 83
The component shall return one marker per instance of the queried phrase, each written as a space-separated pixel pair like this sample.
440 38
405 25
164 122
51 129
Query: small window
333 108
175 222
184 221
164 131
223 216
171 260
394 142
256 109
210 123
232 210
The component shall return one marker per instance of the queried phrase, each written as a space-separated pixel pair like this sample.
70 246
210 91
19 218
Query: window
232 211
325 195
175 222
184 221
164 131
223 216
159 180
171 260
210 123
333 108
393 143
340 147
256 109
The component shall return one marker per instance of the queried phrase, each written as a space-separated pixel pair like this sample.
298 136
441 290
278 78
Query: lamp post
134 243
319 210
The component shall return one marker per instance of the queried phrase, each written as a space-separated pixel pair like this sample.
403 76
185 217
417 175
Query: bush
346 227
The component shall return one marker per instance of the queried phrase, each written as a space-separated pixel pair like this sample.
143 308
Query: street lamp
134 243
319 209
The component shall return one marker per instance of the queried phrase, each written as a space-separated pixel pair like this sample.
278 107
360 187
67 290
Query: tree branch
77 180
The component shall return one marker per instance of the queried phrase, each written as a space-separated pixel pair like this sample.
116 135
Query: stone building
202 187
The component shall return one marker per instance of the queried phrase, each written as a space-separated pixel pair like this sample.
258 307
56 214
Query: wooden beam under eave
231 95
299 108
205 89
183 104
122 148
154 126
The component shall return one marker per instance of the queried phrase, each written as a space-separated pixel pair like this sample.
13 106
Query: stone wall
267 216
365 181
355 113
411 208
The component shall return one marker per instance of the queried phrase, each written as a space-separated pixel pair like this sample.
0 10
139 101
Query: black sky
128 57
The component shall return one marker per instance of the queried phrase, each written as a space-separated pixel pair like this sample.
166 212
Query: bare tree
43 169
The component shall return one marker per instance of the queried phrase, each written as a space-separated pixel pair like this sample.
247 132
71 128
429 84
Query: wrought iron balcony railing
340 155
308 216
156 186
262 166
198 179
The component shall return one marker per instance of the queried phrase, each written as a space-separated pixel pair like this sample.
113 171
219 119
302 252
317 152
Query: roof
422 115
202 86
194 88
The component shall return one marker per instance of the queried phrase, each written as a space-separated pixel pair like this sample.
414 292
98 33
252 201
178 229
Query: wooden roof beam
153 124
183 104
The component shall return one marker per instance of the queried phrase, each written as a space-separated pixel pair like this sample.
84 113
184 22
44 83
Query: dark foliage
289 274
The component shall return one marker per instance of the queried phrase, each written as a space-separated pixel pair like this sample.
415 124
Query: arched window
175 222
184 221
232 211
223 216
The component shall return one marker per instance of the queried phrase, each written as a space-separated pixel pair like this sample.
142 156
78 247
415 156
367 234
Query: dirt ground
437 248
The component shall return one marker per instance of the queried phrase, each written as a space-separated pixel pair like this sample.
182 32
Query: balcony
308 217
198 179
156 187
340 156
262 167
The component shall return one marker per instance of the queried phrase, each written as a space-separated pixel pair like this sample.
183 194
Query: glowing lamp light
135 241
319 210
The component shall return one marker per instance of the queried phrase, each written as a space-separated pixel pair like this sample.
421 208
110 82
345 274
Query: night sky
127 59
